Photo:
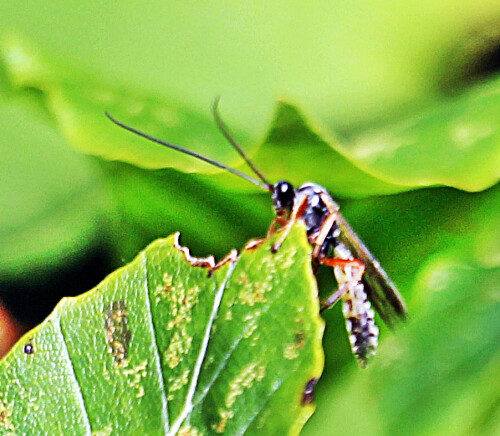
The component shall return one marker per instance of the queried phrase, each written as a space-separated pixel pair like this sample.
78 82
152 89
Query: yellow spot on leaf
291 352
285 259
5 416
225 416
106 431
179 345
251 327
182 302
187 430
161 292
253 293
177 383
134 377
254 340
118 334
244 380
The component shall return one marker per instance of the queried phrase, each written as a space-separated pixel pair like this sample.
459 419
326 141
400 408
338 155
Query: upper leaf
398 158
454 143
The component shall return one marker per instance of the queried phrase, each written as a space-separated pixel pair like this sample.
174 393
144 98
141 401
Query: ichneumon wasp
360 277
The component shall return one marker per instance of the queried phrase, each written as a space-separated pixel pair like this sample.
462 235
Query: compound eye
285 187
284 194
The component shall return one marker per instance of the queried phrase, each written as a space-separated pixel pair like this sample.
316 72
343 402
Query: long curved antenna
189 152
225 131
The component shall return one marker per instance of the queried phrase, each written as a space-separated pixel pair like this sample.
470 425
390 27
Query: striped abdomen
359 316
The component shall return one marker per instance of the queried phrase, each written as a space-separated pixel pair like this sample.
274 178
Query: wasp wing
380 290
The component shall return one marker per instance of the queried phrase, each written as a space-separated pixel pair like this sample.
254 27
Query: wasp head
283 195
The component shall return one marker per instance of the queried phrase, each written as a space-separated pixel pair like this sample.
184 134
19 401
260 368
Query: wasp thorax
283 196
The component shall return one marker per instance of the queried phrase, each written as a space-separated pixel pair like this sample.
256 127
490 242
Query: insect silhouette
359 276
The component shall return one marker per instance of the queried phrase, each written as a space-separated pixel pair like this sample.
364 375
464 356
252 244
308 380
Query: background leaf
455 143
51 196
466 128
160 345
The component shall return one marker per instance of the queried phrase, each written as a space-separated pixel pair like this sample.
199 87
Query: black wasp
360 277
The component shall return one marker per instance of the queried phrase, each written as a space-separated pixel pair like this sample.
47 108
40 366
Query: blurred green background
393 106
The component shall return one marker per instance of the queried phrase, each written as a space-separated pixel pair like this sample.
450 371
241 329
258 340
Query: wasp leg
297 213
327 224
325 229
272 228
318 241
337 261
354 276
332 299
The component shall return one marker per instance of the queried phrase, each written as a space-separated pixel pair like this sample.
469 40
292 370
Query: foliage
399 101
161 346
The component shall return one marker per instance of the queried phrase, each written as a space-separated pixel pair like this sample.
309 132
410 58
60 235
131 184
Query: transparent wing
380 290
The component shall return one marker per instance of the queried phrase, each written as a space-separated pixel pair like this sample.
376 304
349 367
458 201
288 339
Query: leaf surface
51 197
463 130
160 347
454 143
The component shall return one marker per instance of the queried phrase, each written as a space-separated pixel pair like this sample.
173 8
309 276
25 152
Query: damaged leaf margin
163 348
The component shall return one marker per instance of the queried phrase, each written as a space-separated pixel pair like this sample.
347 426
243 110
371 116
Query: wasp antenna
186 151
225 131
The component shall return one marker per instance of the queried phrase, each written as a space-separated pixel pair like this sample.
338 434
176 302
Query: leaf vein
159 369
263 404
237 342
77 384
188 405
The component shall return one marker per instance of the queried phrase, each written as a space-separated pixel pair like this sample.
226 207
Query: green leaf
78 102
162 345
454 143
421 224
154 203
51 196
348 64
397 158
295 151
345 67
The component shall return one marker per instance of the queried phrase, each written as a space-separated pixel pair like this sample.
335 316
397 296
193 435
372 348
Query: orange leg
272 228
297 213
336 261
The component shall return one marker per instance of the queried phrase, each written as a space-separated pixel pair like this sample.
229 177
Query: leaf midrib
161 375
74 376
188 404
